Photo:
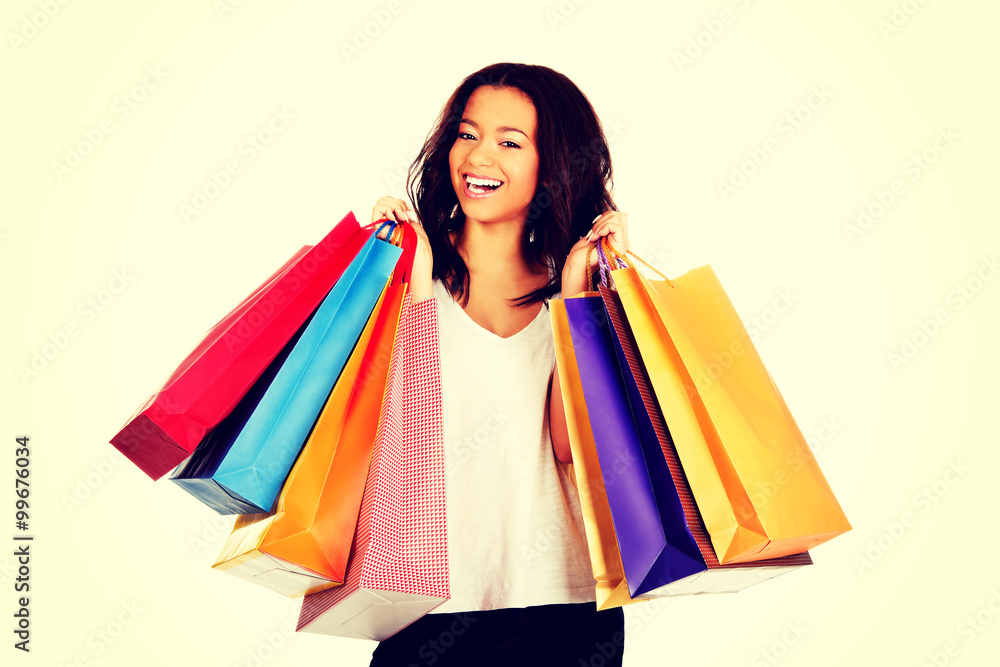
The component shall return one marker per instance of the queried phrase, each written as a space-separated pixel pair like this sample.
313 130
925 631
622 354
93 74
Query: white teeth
472 180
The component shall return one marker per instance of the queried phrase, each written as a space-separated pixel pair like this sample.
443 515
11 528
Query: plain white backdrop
747 135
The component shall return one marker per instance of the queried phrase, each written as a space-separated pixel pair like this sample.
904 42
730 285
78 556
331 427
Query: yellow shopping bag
758 487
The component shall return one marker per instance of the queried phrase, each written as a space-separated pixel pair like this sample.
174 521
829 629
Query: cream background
134 542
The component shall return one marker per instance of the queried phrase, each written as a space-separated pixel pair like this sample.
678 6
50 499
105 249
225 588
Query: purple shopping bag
654 540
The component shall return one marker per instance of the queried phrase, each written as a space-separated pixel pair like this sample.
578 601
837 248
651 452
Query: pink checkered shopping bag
398 567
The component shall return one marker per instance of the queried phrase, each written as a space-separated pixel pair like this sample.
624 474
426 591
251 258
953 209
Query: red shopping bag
398 567
221 369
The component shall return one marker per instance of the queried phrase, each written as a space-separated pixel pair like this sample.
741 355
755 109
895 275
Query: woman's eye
466 136
509 144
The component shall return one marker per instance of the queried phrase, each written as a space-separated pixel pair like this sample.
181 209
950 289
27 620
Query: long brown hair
574 174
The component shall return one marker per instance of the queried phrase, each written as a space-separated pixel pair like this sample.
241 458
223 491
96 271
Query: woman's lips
479 191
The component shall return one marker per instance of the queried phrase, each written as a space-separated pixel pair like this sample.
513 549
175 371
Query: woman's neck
494 249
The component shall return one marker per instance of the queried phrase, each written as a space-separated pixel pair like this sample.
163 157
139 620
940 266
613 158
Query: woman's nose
481 154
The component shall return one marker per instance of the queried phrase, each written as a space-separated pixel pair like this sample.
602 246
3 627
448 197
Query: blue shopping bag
196 474
250 474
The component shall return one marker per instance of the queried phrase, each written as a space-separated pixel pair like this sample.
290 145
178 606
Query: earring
531 235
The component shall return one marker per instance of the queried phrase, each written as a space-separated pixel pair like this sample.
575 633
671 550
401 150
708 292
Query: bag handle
383 223
402 236
405 237
610 258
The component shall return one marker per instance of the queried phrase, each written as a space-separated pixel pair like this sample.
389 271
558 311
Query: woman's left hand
611 224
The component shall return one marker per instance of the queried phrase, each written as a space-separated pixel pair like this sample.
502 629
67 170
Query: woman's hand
610 224
398 210
614 226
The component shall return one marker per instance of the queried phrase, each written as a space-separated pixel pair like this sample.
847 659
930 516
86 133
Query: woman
510 190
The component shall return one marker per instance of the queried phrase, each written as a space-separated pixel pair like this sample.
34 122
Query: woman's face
494 162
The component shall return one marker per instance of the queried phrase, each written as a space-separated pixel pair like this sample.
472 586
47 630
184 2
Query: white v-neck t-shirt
515 531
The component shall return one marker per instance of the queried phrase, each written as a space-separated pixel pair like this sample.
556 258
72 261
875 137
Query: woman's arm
574 281
558 430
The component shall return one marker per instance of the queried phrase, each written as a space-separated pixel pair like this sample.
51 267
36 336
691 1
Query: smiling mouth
481 186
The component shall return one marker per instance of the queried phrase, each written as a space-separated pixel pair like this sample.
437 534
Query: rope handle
395 235
610 258
590 274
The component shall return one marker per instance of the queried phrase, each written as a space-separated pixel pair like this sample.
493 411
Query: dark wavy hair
574 174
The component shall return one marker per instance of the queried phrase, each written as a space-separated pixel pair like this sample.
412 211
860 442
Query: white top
515 531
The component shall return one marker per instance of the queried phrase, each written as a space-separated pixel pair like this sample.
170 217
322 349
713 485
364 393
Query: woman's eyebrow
501 129
506 128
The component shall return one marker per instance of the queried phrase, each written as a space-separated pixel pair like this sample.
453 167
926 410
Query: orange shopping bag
758 487
303 546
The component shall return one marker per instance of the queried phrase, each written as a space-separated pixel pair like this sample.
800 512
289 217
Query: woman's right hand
398 210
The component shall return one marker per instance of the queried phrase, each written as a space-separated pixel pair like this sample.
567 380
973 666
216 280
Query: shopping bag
654 542
758 487
221 369
398 567
708 576
261 456
713 577
303 546
606 562
195 474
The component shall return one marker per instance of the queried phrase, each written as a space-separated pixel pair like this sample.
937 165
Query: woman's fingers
393 209
613 224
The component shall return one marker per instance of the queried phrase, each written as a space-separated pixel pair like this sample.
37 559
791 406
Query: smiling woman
508 210
494 166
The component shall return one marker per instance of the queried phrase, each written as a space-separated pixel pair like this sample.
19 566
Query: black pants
570 635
